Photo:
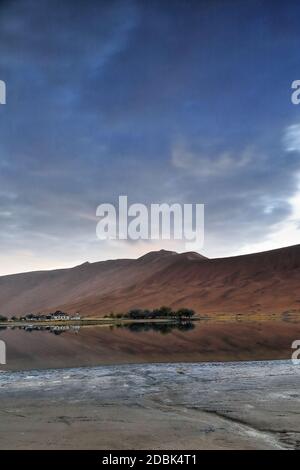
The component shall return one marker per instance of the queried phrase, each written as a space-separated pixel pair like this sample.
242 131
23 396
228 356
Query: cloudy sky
182 101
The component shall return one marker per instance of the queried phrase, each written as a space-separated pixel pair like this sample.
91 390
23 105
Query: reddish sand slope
260 282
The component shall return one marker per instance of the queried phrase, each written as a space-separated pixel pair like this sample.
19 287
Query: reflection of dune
208 341
261 282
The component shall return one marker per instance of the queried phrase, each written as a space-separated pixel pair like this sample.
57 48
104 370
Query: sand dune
260 282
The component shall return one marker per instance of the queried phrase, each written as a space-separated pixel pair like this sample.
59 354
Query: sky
176 102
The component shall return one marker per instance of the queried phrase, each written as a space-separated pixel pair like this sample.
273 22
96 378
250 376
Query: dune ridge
254 283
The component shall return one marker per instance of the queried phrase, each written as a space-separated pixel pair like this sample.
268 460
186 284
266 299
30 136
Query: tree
2 318
136 313
185 313
164 312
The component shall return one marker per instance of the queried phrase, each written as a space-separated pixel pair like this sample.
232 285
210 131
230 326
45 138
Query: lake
199 341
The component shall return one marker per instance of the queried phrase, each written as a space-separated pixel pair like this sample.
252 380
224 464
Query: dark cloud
178 101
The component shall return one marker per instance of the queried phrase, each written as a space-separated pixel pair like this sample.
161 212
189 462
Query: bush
162 312
185 313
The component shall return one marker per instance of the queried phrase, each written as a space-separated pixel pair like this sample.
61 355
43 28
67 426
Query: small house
60 316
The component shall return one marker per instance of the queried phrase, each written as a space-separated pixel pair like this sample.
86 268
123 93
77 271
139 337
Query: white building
61 316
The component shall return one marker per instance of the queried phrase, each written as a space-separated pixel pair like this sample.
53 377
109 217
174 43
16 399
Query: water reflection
163 328
135 327
50 346
57 330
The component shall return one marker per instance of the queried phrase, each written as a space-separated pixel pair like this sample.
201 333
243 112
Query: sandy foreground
241 405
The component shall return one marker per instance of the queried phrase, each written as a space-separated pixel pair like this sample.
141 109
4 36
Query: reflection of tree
163 328
185 326
135 327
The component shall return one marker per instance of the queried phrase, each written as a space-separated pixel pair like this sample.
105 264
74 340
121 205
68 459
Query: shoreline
93 322
45 370
98 321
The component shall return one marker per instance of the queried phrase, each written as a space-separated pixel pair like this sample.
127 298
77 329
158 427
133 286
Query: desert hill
260 282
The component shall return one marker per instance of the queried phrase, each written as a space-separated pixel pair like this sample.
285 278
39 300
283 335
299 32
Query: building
76 317
60 316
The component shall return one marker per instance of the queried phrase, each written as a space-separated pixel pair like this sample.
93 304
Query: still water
73 346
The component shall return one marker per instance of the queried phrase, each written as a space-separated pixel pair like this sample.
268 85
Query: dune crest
254 283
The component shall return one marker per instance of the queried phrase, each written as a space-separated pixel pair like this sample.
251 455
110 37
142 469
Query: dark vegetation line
162 312
134 314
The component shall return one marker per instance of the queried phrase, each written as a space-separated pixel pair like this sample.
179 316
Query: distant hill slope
267 281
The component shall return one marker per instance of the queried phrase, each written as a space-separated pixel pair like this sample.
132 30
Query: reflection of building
60 328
